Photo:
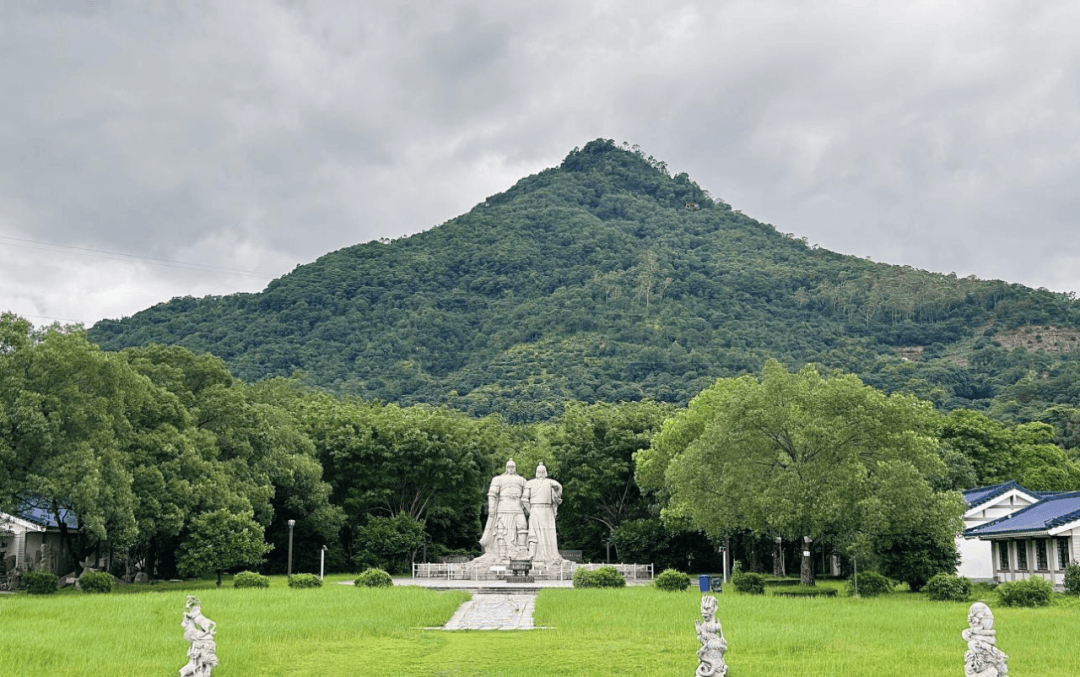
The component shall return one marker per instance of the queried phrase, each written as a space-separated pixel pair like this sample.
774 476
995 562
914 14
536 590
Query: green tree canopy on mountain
609 279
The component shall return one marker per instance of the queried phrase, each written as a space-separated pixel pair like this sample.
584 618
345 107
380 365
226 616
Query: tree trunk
778 559
806 570
219 578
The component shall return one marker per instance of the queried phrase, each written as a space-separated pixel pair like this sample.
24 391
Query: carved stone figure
713 645
542 498
46 563
506 531
87 565
199 631
983 658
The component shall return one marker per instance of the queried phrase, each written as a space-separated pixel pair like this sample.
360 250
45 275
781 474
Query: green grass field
341 630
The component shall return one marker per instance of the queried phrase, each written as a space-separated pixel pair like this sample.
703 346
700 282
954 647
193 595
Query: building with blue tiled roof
23 534
985 504
1027 537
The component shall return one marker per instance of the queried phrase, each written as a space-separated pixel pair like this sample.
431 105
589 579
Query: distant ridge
607 278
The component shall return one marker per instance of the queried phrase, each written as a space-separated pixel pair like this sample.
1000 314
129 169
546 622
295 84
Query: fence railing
564 571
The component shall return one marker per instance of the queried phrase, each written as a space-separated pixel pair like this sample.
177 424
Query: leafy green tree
428 464
63 422
221 540
388 543
999 452
799 455
915 557
593 449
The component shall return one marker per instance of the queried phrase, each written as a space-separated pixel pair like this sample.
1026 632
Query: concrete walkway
494 612
495 605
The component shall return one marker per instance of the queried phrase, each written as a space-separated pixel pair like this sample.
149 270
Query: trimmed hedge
96 582
1072 579
374 578
305 581
871 584
781 582
948 588
805 591
250 579
39 582
1028 592
604 577
672 580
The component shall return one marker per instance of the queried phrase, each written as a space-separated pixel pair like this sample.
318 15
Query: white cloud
258 135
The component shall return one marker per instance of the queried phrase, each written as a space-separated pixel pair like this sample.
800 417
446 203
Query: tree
388 543
999 452
593 449
800 456
917 556
221 540
64 419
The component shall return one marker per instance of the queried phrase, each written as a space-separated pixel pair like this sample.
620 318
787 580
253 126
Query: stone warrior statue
983 658
713 645
199 630
506 533
542 498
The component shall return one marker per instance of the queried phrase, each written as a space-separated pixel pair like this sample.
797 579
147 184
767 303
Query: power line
120 256
55 319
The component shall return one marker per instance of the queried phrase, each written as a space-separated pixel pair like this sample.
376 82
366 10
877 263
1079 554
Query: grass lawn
341 630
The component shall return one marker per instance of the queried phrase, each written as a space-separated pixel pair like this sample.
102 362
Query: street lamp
292 523
722 549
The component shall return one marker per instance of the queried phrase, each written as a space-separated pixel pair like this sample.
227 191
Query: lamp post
322 562
722 549
292 523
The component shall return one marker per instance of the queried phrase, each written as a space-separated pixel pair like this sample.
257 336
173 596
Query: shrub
250 579
948 588
871 584
1028 592
750 583
374 578
39 582
604 577
1072 579
305 581
96 581
672 581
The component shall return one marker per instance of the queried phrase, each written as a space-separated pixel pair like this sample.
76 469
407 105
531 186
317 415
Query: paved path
494 612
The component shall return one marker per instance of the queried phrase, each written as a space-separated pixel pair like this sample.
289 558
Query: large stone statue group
521 518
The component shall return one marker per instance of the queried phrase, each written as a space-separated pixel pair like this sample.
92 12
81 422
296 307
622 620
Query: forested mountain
609 279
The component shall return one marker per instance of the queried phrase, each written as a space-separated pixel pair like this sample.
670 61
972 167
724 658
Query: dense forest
603 317
608 279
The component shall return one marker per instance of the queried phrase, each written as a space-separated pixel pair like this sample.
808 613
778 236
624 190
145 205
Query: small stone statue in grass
713 645
199 630
983 658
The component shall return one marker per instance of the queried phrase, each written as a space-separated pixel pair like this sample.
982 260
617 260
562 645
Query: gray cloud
258 135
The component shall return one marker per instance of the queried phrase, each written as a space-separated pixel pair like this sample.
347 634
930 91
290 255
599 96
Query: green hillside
607 278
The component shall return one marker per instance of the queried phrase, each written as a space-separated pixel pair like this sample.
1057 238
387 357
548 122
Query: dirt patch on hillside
1040 337
910 353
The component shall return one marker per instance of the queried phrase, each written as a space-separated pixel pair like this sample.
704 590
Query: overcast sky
253 136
